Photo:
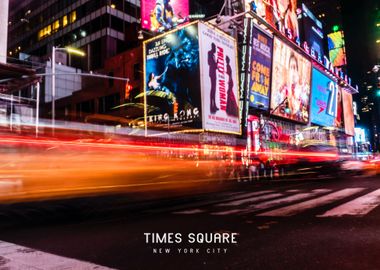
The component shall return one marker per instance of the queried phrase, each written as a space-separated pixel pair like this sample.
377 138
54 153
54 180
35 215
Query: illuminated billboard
348 112
172 82
220 84
312 32
162 15
337 51
290 83
323 99
281 14
338 106
260 68
191 80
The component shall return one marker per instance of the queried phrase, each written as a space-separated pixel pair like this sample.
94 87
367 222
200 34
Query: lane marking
272 203
251 199
20 257
289 199
303 206
358 207
189 212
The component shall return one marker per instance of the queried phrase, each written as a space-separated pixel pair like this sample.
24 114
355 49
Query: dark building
108 101
101 28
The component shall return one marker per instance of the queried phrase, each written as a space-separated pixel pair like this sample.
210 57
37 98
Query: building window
56 26
64 21
73 16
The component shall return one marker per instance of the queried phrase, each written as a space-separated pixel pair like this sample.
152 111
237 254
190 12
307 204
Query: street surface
320 224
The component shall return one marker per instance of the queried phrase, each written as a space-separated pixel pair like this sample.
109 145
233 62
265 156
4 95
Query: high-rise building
101 28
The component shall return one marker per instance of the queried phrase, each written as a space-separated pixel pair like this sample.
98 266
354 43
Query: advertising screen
281 14
360 136
290 83
172 82
260 69
323 99
349 122
337 51
162 15
220 85
312 32
338 106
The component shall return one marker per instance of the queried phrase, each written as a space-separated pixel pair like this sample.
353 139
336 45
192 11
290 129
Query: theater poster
219 80
172 83
260 69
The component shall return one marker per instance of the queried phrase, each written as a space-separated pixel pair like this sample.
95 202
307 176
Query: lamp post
70 50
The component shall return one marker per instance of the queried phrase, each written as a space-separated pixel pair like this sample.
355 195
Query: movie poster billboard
260 69
172 82
162 15
323 99
290 91
219 80
348 112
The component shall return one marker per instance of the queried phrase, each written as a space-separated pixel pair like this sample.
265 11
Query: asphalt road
324 224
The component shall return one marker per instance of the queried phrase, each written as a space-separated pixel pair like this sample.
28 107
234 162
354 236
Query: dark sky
359 27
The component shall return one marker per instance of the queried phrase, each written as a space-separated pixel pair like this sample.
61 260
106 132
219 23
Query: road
324 224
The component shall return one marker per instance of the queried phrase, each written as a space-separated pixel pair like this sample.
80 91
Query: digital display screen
312 32
349 122
323 99
291 74
337 51
163 15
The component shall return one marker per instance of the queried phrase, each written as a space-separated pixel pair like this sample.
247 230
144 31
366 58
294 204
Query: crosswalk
354 202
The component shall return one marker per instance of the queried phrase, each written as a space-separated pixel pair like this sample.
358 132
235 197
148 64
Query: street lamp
70 50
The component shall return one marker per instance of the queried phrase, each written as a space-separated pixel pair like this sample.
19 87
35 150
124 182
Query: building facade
101 28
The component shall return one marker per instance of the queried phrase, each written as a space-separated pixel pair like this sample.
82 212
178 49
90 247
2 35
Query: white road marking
16 257
251 199
249 194
293 198
189 212
272 203
358 207
299 207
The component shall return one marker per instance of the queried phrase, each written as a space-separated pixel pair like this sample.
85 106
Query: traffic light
378 92
128 89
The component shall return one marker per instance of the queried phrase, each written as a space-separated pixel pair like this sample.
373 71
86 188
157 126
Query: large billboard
323 99
290 83
349 122
219 80
172 82
312 32
191 80
260 69
162 15
281 14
